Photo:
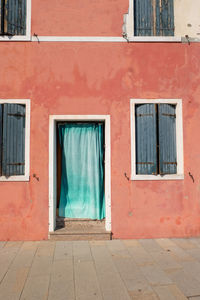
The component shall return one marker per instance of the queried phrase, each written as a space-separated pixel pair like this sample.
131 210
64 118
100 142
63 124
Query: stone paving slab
36 288
2 244
189 286
139 254
165 260
159 269
169 292
62 280
195 253
13 283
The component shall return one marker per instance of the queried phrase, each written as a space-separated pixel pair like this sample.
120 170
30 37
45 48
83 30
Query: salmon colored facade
100 78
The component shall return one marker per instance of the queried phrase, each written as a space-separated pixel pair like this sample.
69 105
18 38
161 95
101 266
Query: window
157 146
153 17
151 21
14 136
15 19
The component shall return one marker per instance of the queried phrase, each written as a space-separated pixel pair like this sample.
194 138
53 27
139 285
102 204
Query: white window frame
24 177
179 140
128 29
26 37
53 164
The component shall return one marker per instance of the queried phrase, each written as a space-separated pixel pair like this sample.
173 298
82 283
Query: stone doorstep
80 229
79 219
62 221
80 237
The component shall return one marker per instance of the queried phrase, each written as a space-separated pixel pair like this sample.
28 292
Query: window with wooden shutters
13 17
157 139
146 160
14 139
167 139
12 151
153 17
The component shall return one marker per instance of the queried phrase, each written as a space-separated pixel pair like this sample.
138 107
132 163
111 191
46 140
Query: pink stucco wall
101 78
78 18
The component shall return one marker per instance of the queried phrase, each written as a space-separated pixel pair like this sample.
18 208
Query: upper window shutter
1 131
165 17
143 18
167 138
1 17
146 152
14 15
13 158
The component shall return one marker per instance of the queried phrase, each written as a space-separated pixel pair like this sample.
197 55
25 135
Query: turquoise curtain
82 180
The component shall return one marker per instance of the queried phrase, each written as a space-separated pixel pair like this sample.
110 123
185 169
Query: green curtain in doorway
82 180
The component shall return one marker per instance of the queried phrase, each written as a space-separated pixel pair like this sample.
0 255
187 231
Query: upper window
15 19
157 139
151 20
153 17
14 148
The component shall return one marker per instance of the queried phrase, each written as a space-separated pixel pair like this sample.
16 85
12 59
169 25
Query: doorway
80 170
93 123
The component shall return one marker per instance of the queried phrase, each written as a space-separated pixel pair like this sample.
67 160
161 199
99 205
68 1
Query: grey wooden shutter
14 17
165 17
1 17
146 141
1 136
167 138
143 18
13 158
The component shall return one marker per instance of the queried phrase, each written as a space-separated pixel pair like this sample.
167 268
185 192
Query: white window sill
165 39
15 178
158 177
15 38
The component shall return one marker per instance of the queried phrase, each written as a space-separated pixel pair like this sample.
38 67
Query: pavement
165 269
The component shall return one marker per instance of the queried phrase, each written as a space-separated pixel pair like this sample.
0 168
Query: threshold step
62 222
75 236
80 229
78 219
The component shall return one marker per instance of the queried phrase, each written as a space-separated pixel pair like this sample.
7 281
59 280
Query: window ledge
15 38
158 177
154 39
15 178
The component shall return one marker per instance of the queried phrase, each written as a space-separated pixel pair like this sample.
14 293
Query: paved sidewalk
165 269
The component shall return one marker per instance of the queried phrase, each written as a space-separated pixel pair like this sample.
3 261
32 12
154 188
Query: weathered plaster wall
187 18
78 18
100 78
102 18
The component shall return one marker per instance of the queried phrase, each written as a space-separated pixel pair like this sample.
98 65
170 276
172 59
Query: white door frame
53 164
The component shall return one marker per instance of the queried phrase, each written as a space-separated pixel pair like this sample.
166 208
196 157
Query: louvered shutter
167 138
146 156
165 17
14 17
13 158
1 137
143 18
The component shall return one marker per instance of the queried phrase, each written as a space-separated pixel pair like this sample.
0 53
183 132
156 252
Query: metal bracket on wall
191 176
188 39
126 176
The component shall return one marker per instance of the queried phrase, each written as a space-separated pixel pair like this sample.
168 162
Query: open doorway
101 123
80 172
